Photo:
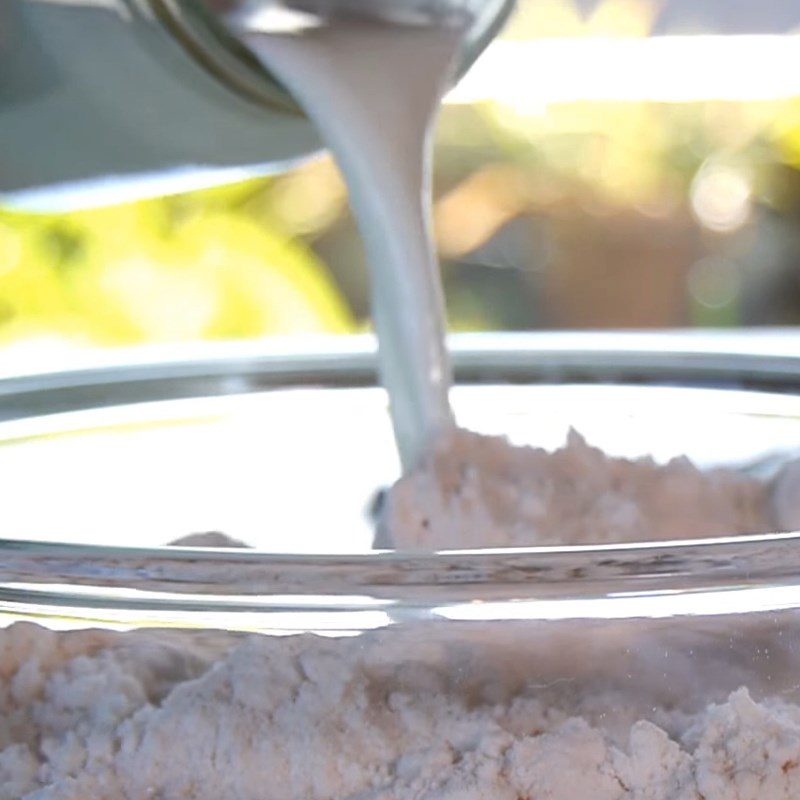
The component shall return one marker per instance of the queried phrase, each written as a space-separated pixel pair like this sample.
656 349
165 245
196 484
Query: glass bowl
285 449
593 667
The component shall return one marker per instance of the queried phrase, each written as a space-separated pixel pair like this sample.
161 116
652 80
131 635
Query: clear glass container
653 670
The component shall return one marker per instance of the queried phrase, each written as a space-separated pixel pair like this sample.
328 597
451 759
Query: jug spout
480 19
118 100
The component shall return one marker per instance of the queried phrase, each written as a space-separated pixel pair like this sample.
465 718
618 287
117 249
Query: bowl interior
294 470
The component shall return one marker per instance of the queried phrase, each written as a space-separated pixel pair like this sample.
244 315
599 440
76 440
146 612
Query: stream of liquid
374 91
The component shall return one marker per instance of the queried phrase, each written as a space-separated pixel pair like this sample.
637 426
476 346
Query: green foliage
163 270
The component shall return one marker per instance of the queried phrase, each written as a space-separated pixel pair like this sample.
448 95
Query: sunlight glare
532 74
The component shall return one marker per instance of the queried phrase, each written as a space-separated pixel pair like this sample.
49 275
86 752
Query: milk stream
374 91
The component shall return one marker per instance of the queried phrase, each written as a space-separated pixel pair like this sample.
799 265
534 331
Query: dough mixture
641 710
474 491
457 711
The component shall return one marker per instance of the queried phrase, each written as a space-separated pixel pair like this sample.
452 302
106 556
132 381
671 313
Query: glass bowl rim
764 362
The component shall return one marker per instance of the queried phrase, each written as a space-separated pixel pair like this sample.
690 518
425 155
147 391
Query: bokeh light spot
721 198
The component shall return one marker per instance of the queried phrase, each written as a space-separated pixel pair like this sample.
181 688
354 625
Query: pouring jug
103 101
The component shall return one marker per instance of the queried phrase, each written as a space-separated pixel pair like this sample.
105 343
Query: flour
476 491
438 712
676 709
207 539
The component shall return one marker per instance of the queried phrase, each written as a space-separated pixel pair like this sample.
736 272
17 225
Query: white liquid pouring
374 91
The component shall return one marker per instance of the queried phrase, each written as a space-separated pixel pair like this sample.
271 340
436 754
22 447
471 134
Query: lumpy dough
475 491
401 715
634 710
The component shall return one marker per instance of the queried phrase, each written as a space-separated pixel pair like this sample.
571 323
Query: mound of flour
685 709
104 716
479 491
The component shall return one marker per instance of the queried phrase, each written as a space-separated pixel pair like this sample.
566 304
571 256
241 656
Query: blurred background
613 164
